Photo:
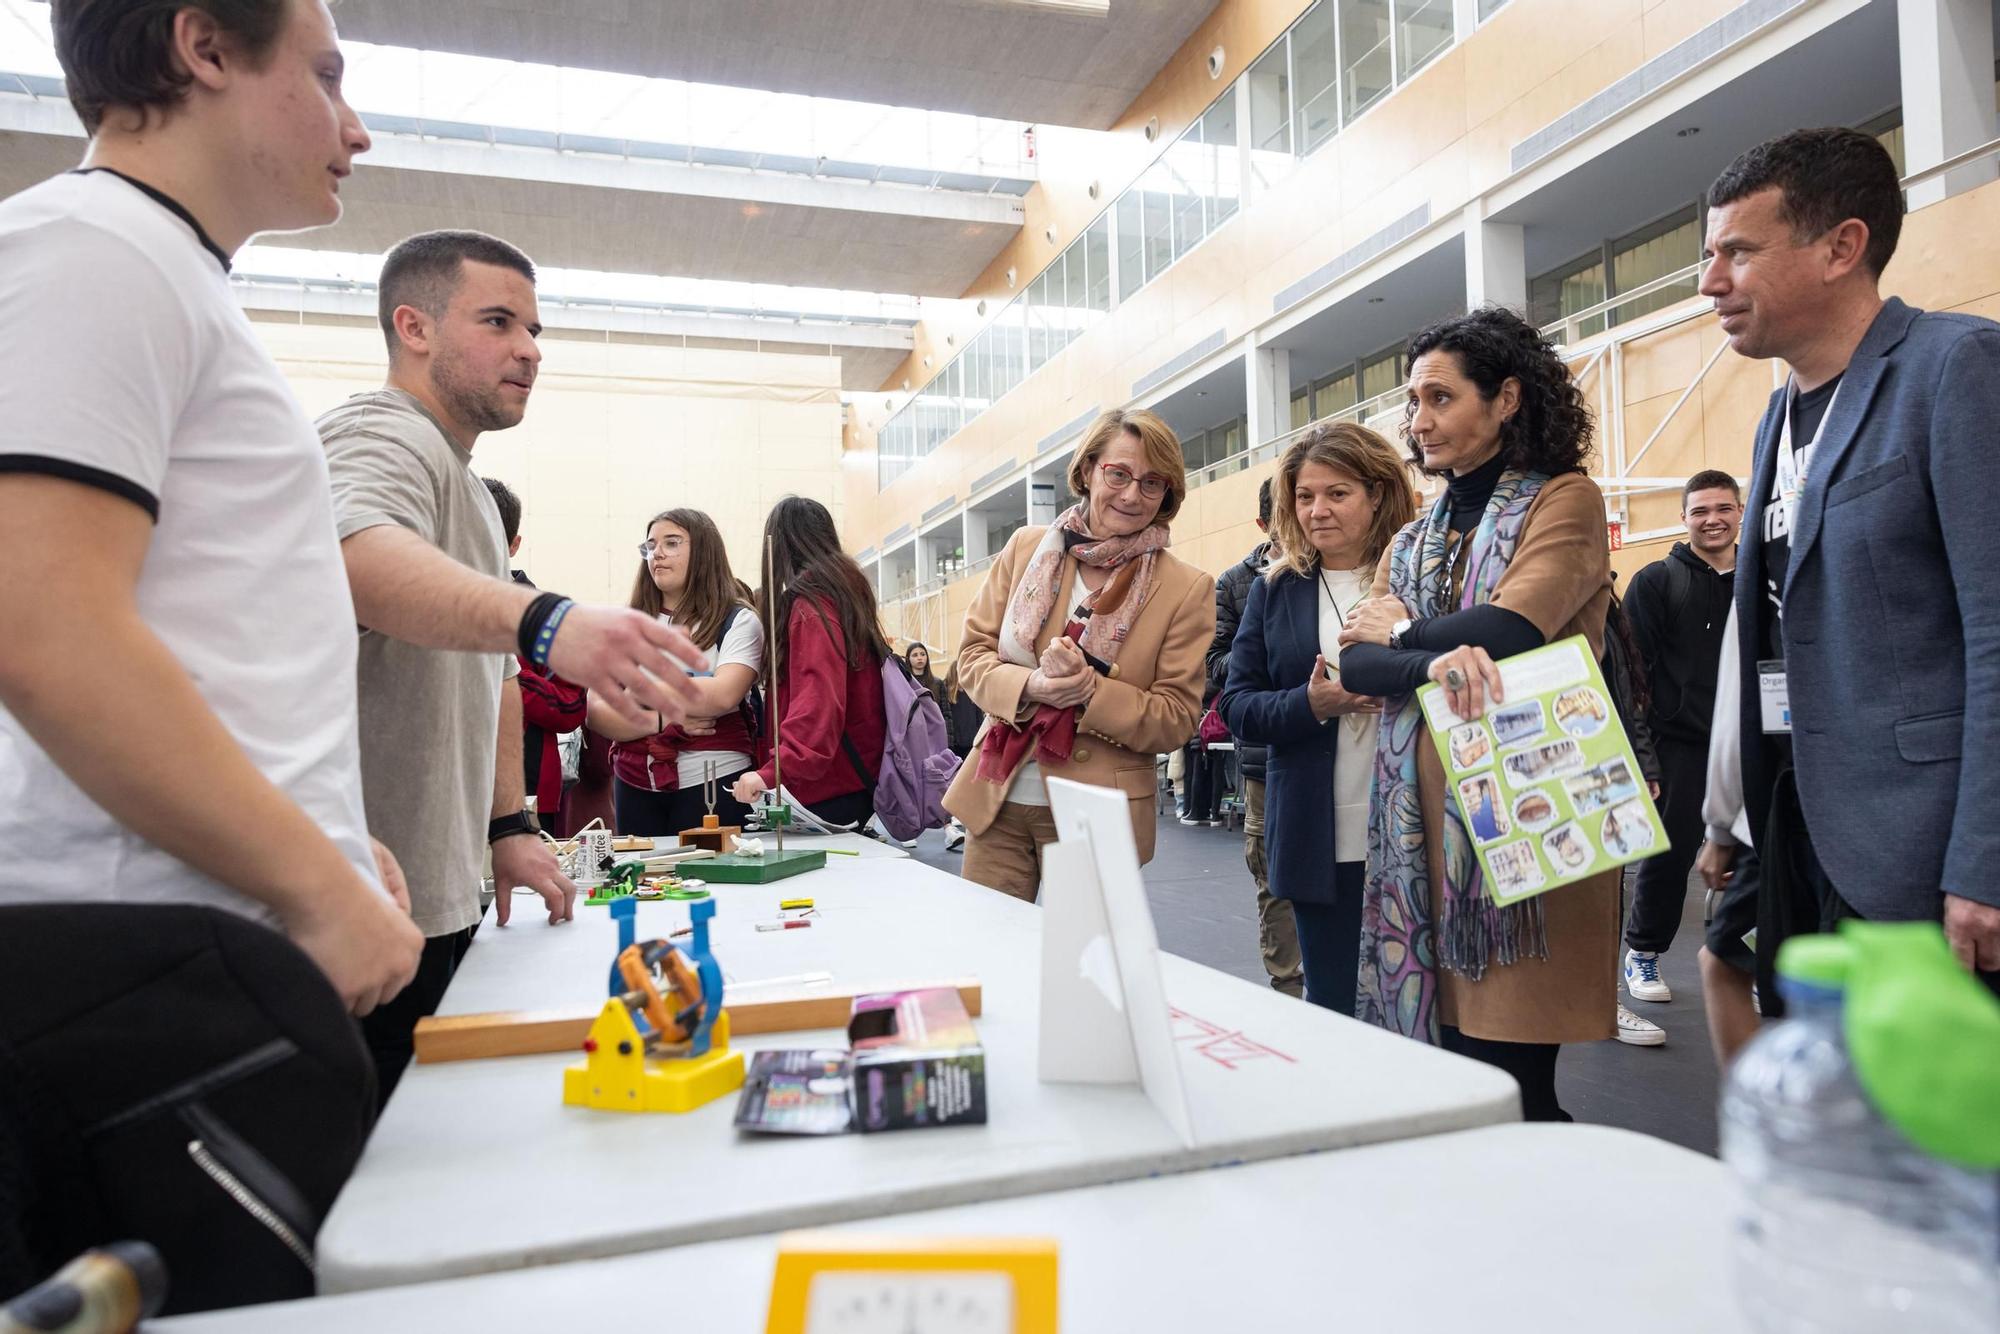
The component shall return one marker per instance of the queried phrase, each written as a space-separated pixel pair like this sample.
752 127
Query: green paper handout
1546 781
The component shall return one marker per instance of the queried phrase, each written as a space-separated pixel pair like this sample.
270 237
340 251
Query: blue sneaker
1642 977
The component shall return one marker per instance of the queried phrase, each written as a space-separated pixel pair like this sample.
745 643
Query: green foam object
736 869
1924 1035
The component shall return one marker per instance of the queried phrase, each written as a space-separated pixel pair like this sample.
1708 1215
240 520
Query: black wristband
529 637
520 822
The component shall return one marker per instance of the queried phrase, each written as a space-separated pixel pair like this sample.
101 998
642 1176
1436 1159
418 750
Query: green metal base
735 869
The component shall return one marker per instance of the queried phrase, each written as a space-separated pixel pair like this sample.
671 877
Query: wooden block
632 844
475 1037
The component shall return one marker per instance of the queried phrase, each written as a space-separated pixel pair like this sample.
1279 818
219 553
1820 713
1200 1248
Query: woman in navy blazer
1340 494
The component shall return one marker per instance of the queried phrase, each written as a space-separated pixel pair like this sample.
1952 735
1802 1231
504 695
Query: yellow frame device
803 1256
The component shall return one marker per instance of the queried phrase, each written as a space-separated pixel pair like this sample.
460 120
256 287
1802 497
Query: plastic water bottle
1844 1226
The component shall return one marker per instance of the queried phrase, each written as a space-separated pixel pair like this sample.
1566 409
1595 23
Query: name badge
1776 699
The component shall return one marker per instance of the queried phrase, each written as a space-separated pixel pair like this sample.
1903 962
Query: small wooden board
473 1037
632 844
736 869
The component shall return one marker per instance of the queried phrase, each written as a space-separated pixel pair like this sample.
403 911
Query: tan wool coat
1148 706
1560 579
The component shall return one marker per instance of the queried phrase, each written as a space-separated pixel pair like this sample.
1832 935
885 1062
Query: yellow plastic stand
615 1076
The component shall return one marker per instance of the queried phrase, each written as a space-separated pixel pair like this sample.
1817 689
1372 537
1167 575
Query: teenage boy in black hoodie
1678 607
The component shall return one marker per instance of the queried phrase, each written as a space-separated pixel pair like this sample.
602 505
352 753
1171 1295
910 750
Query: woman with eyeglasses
1085 647
659 774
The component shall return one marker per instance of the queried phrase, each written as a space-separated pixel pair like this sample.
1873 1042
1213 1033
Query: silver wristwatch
1397 631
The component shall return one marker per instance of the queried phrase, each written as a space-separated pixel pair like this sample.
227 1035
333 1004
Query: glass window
1365 75
1333 394
1271 114
1225 441
954 398
1576 286
1159 224
1097 263
1423 29
1488 8
1382 375
1194 449
1013 345
1184 174
1667 246
1218 133
1076 302
1131 245
1301 414
1038 322
1316 67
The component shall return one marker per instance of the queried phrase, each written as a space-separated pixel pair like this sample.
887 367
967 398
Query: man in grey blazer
1868 583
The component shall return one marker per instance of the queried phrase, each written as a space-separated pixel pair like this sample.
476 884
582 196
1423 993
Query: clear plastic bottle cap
1821 961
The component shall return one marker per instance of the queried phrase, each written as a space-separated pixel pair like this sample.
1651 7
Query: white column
978 543
1267 386
1464 18
1496 262
1947 58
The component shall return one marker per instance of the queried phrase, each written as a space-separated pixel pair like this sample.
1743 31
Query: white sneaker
954 836
1636 1032
1642 977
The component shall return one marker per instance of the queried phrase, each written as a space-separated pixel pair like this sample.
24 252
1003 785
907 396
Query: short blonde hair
1362 455
1157 439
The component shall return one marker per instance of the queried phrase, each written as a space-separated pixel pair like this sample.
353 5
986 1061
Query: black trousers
149 1053
1533 1065
1204 782
1330 940
665 814
390 1029
1661 891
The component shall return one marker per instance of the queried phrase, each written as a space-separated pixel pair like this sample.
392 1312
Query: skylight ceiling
1054 62
619 174
447 86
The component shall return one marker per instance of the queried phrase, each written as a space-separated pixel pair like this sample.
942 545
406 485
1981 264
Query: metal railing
1991 148
1569 329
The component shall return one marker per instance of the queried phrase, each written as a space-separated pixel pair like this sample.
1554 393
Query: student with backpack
856 736
659 775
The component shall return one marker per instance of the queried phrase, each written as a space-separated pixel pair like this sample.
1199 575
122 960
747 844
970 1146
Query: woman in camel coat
1085 648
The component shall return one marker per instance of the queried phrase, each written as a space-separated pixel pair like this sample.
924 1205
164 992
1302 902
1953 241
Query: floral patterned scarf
1401 949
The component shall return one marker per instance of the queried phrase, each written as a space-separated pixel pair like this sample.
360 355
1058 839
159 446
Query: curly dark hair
1552 432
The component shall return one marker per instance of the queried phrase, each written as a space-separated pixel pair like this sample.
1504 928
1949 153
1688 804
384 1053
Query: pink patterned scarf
1099 626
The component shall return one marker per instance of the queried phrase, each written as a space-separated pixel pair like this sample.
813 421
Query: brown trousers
1277 929
1008 856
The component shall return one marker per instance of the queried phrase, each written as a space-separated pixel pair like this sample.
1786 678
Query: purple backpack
917 759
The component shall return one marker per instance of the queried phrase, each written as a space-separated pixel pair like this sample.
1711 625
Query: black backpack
177 1075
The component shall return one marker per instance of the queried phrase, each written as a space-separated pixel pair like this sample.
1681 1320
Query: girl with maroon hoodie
824 670
659 772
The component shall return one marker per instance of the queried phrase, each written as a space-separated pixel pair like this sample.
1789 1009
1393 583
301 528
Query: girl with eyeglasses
1085 647
659 773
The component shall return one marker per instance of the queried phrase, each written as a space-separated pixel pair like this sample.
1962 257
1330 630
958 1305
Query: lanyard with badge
1772 692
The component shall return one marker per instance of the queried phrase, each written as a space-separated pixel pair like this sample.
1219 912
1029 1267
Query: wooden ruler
475 1037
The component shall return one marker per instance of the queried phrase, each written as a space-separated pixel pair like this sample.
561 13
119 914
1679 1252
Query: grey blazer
1891 627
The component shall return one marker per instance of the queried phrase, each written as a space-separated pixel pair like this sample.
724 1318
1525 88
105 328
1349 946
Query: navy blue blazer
1264 701
1891 629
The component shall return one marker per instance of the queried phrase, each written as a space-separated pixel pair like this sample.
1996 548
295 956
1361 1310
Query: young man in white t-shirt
177 695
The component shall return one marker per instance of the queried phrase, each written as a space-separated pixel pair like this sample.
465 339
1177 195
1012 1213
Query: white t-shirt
129 366
743 644
1354 751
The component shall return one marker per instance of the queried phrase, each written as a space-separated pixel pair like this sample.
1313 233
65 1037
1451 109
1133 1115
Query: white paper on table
1080 977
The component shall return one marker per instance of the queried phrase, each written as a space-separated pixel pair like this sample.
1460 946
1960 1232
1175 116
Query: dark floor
1205 906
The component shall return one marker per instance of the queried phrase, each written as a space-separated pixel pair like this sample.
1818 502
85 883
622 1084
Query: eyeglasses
1152 486
673 546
